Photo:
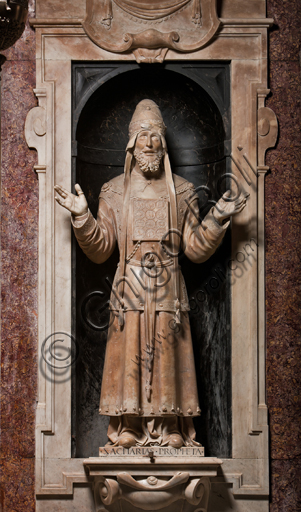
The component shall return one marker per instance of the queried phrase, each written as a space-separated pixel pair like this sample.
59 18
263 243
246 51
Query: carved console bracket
267 127
35 129
141 485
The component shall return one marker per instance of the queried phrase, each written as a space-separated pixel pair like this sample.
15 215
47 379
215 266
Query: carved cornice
247 22
224 22
151 45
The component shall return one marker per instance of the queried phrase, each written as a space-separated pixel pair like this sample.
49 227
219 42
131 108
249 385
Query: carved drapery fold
151 10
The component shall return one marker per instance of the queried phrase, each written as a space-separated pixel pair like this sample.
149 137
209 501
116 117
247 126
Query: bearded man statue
149 383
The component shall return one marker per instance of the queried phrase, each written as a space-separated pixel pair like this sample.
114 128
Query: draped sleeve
96 237
200 240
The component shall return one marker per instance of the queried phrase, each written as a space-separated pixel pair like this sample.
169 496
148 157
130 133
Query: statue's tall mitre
147 116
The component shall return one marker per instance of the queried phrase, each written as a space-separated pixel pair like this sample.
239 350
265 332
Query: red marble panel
19 220
283 250
286 33
19 246
17 495
285 486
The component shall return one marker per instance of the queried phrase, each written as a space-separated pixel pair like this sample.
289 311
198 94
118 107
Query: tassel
148 390
196 13
121 317
178 312
107 14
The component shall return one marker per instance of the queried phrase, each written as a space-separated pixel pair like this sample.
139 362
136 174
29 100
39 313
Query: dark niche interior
194 100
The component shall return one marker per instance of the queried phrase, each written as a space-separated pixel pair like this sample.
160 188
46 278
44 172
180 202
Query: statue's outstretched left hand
226 208
77 205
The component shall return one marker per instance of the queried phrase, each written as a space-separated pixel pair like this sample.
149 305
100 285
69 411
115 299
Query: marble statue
149 383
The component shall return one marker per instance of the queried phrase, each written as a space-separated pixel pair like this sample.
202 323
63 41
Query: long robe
149 368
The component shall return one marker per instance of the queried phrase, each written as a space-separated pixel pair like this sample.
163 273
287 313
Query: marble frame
244 481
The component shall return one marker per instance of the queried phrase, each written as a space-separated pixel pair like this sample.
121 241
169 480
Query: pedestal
151 480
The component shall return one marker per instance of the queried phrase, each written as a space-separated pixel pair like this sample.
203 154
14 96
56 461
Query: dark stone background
19 242
196 125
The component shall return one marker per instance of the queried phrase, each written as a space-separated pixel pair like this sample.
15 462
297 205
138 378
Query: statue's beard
146 163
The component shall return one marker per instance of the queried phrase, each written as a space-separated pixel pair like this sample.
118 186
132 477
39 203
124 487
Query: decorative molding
224 22
267 132
48 129
241 487
237 479
54 22
65 488
247 22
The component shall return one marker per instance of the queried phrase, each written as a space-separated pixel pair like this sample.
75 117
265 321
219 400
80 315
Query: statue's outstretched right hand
77 205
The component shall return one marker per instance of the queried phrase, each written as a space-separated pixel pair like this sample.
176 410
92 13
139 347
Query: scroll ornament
151 493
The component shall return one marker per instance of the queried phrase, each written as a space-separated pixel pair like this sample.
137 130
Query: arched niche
194 100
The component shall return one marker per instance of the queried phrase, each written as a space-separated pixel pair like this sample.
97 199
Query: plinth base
128 483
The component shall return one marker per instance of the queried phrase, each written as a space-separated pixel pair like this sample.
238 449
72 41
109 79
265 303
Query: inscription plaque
154 451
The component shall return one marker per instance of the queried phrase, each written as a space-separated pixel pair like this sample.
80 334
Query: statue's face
148 151
149 142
